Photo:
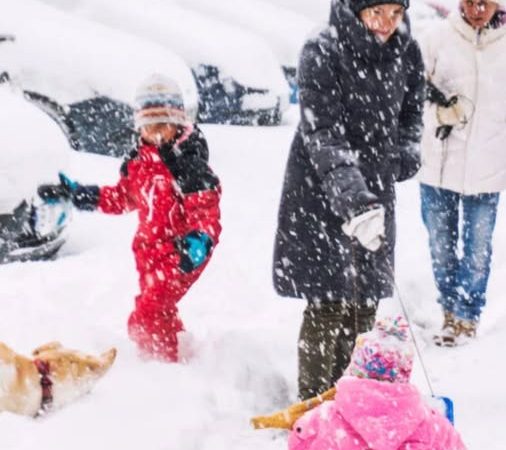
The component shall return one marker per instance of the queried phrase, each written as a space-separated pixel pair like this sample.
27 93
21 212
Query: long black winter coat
361 122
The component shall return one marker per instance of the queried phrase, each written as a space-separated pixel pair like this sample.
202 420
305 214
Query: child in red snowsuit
169 182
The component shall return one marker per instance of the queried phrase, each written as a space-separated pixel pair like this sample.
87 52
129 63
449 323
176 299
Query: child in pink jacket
375 407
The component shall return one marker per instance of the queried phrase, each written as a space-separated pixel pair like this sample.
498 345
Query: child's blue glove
83 197
193 249
55 193
69 185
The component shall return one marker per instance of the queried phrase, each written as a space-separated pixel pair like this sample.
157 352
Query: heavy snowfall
240 348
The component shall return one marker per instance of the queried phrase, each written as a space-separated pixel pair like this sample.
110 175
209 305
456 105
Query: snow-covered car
239 79
32 150
316 10
420 11
285 30
84 74
423 13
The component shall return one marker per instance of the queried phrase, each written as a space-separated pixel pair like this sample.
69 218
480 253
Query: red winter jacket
172 188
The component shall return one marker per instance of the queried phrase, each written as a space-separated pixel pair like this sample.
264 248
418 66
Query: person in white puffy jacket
464 156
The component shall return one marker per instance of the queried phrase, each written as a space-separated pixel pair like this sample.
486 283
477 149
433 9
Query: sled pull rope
411 332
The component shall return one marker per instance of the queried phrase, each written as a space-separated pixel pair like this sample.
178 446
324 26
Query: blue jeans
461 280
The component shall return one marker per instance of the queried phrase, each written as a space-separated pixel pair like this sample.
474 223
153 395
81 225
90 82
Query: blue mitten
82 197
193 249
67 184
55 193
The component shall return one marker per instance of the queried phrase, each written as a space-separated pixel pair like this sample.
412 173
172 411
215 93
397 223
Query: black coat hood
351 32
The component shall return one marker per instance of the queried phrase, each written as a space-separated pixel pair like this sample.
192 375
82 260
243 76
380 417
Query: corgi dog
54 377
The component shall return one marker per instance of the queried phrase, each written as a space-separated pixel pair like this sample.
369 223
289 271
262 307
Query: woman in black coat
361 97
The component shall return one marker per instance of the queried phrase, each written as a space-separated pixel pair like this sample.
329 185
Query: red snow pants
154 323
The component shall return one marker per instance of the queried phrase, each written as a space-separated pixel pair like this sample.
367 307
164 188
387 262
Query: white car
239 78
84 74
283 29
32 151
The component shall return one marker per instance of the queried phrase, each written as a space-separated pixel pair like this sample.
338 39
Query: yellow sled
287 417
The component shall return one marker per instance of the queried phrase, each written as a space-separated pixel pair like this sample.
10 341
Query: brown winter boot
456 331
449 332
466 328
449 320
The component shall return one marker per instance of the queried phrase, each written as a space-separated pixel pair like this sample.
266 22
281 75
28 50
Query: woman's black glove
434 95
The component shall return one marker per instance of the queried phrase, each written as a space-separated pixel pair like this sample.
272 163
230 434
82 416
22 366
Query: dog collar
46 384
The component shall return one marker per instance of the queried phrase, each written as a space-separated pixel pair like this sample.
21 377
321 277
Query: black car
96 125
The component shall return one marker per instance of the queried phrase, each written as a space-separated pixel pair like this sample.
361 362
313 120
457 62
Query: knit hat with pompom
159 100
385 353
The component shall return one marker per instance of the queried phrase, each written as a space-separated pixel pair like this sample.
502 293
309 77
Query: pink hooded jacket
374 415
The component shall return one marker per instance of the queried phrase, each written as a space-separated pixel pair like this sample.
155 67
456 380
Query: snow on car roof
239 54
284 29
70 58
316 10
319 10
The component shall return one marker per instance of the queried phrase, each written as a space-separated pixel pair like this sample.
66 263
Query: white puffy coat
460 61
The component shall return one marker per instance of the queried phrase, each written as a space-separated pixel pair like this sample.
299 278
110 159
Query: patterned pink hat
385 353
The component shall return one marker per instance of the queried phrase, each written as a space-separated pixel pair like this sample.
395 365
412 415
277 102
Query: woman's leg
479 217
440 214
323 325
360 320
326 341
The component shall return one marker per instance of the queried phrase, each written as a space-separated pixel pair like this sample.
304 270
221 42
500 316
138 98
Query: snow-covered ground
240 348
241 340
